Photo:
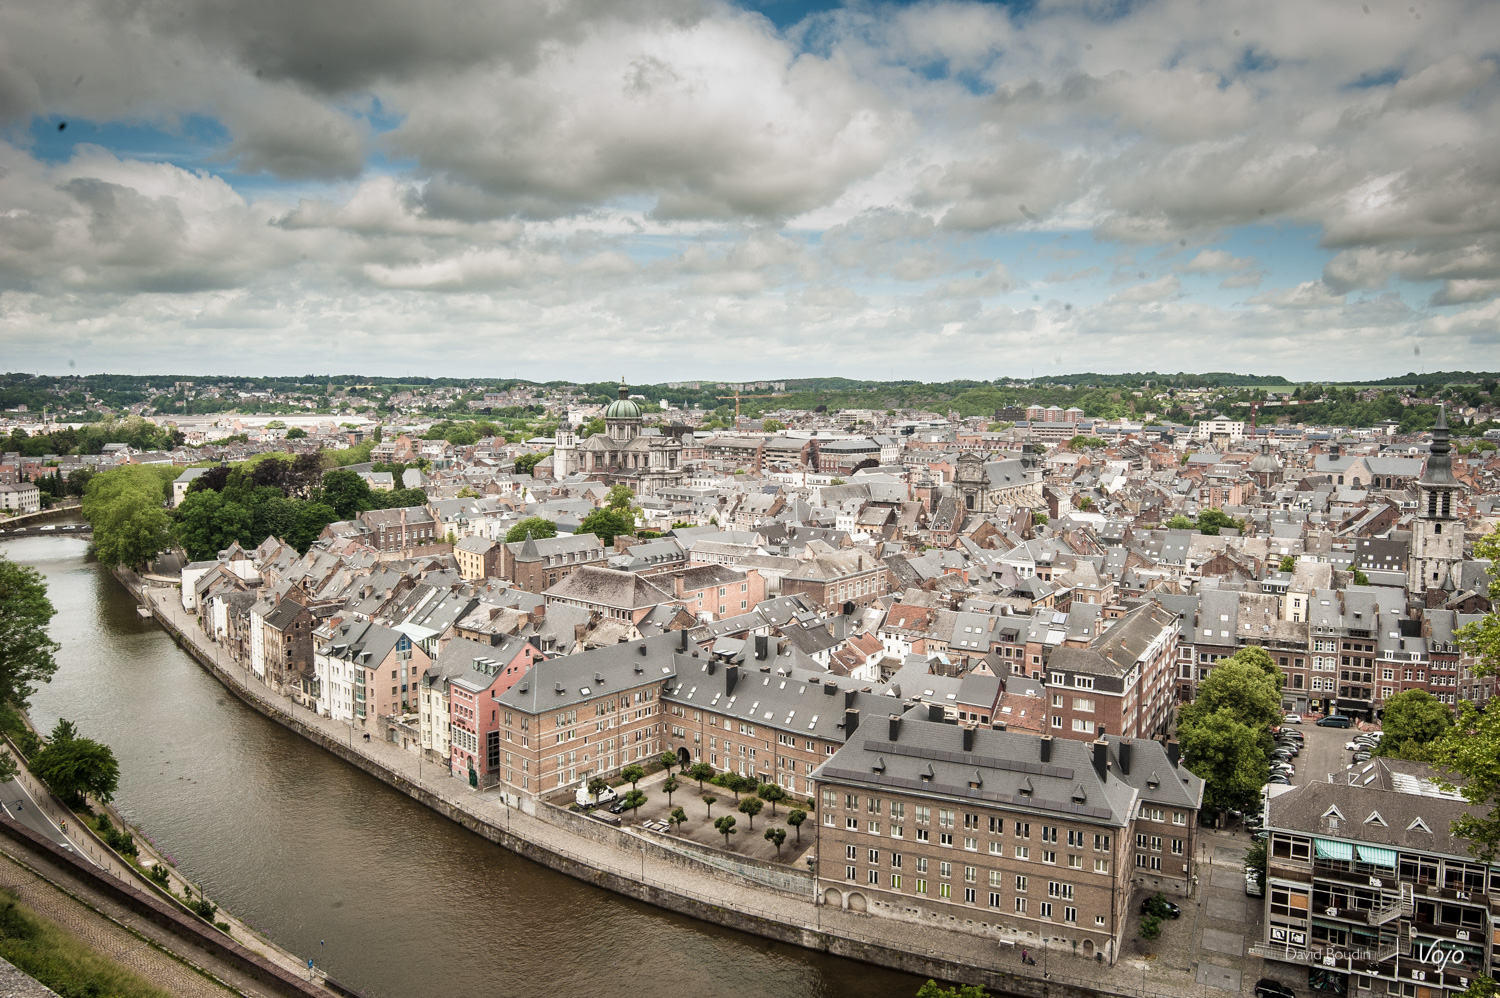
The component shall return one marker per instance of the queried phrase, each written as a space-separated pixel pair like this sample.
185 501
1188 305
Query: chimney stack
830 687
682 638
760 647
1125 750
1101 759
1046 741
1174 753
851 722
935 713
849 698
731 676
895 727
968 739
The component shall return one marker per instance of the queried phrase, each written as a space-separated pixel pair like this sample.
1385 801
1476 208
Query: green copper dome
622 407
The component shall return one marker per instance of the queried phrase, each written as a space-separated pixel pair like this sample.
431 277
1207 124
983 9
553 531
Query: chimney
1101 759
851 722
830 687
849 697
760 647
682 640
1174 753
731 676
895 727
968 739
935 713
1125 749
1046 748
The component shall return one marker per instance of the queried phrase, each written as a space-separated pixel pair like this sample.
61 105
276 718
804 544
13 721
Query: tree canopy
607 524
1241 686
124 506
537 527
1411 721
26 650
72 766
1228 755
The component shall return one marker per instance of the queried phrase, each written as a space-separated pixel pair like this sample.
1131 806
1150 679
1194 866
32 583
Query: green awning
1376 856
1327 849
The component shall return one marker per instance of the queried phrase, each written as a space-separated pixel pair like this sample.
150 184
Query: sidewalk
934 938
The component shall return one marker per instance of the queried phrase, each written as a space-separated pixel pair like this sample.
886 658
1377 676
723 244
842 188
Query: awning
1376 856
1334 850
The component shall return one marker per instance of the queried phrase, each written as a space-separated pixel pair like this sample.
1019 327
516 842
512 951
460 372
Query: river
328 862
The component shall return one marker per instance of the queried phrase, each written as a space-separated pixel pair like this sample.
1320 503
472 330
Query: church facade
625 453
984 486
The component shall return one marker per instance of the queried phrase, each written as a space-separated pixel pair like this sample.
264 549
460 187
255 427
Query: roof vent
976 781
1078 795
560 688
879 766
1025 788
928 774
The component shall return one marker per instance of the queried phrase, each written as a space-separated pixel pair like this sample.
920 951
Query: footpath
631 864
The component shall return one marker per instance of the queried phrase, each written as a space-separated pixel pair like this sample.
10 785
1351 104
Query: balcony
1360 961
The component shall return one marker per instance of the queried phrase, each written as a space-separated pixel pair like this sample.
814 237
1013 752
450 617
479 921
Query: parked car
1157 903
1292 719
1252 884
1333 721
1290 735
1279 779
1267 988
1362 756
618 807
1353 746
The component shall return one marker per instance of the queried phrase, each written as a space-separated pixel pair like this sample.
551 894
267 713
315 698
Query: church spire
1439 456
624 391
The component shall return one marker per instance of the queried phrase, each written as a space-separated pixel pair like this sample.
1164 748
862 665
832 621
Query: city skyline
690 190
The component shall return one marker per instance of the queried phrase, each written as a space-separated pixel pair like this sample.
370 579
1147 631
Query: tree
124 508
1481 638
207 523
1212 520
274 516
669 787
632 774
1412 721
771 793
772 425
526 463
667 760
1085 503
296 433
725 826
1039 518
597 786
701 771
776 836
933 990
1240 686
1479 987
678 817
750 807
619 497
72 767
709 800
795 818
311 519
1229 756
538 527
26 650
634 800
1360 578
1179 522
1150 927
346 492
607 524
1255 861
1288 563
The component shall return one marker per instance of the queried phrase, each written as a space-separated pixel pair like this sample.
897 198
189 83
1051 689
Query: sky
677 189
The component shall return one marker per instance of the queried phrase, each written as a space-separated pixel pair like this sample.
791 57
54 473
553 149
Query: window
1021 905
921 887
895 881
1023 852
969 895
850 873
851 852
1070 915
945 891
1020 885
945 870
1046 909
994 899
970 874
874 856
1101 866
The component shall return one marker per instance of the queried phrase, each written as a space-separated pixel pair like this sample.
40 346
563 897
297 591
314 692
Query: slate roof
609 587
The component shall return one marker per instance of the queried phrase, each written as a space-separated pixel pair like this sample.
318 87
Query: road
18 802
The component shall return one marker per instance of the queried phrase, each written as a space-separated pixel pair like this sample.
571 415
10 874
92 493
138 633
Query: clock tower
1437 533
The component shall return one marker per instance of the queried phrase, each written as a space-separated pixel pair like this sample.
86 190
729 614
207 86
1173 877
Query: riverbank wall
783 912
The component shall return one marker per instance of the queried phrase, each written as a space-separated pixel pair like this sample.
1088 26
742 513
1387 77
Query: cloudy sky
686 188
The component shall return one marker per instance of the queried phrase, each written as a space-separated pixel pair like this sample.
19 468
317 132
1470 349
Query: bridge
49 530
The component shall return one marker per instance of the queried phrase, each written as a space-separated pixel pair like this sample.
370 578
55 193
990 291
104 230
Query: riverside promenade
631 864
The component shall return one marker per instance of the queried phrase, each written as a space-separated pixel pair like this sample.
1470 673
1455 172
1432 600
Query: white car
1352 746
1292 719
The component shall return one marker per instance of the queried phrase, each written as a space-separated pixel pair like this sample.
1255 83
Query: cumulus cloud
679 170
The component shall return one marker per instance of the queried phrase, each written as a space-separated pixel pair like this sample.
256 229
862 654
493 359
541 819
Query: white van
585 799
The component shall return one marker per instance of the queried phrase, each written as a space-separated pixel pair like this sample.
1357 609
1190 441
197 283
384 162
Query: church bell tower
1437 534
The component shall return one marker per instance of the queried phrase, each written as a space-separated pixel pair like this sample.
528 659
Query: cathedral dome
622 407
1265 462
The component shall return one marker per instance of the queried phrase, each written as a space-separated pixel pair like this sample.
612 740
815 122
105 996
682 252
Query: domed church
644 459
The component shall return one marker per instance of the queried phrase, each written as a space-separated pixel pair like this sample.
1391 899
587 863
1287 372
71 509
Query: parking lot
1323 753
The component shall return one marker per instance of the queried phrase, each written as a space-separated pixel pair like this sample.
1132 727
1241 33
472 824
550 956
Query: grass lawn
60 960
